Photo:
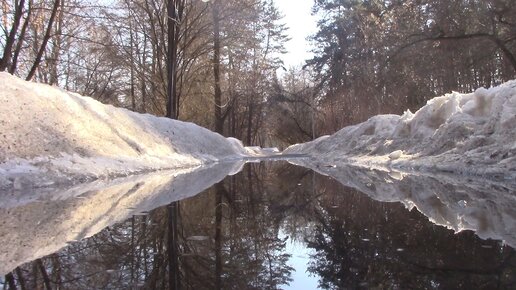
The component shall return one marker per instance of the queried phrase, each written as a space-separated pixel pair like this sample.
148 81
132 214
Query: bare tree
11 38
46 37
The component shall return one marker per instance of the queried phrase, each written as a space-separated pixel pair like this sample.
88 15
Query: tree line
376 56
223 57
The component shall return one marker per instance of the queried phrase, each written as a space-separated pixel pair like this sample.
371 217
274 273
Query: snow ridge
472 134
49 136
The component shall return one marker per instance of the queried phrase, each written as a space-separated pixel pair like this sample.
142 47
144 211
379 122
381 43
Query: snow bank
465 133
79 212
49 136
454 160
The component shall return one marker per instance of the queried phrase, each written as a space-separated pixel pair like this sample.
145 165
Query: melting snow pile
49 136
464 133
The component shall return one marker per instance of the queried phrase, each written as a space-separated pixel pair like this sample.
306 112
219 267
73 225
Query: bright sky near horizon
301 24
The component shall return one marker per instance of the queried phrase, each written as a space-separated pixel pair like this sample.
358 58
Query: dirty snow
472 134
49 136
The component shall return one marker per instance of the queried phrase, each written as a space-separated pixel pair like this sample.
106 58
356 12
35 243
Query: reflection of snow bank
457 202
33 229
49 136
466 133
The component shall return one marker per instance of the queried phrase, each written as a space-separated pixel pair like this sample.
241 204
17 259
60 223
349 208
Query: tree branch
497 41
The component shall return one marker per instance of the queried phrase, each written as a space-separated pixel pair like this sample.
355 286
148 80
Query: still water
264 226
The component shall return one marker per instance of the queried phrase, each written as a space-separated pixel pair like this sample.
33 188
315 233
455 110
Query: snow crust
471 133
49 136
36 228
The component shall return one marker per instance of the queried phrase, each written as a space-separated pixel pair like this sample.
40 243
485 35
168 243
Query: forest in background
370 57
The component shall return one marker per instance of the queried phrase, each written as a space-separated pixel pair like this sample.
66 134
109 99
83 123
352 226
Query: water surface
268 226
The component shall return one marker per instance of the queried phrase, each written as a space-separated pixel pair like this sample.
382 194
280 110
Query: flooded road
264 226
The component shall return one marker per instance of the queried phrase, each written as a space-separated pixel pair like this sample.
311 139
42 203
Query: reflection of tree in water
364 244
226 239
233 236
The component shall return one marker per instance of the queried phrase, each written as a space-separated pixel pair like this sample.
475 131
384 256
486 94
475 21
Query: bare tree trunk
44 274
219 189
145 245
219 122
9 278
177 93
56 270
21 39
172 247
171 60
132 251
43 46
9 42
56 48
21 280
506 52
142 79
35 276
131 59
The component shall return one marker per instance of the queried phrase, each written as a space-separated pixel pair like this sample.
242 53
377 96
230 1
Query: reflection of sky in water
302 280
284 197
